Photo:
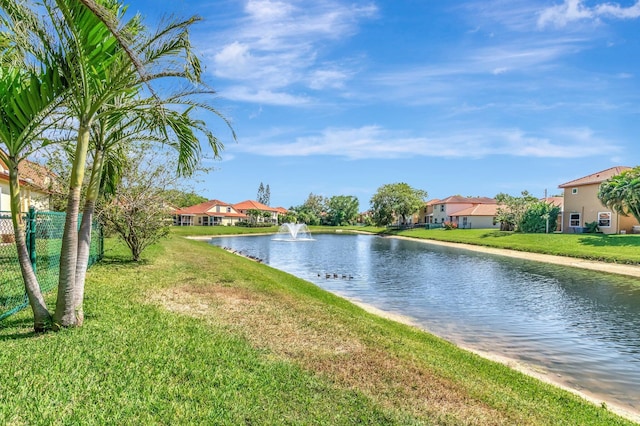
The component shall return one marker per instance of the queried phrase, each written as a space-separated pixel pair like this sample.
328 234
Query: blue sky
466 97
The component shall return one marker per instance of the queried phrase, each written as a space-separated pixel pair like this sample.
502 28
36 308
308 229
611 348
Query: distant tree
312 211
260 196
396 200
622 193
512 209
267 196
137 211
254 214
342 210
540 217
181 199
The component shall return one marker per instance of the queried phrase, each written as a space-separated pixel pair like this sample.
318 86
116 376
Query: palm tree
99 62
27 101
622 193
134 121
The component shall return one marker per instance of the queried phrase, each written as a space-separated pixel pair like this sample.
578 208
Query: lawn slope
196 335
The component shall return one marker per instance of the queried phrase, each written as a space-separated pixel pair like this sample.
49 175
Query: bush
449 225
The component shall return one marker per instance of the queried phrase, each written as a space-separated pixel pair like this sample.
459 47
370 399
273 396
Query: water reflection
580 325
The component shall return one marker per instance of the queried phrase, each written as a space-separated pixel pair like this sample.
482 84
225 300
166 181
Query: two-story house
467 212
581 205
270 213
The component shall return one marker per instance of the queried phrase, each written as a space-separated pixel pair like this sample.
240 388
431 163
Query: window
228 209
574 191
604 219
574 219
441 207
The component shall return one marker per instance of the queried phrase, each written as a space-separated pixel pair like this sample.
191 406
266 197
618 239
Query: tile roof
458 199
478 210
595 178
556 201
34 175
202 208
253 205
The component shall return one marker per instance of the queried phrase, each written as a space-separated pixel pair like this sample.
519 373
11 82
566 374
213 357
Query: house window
574 191
442 207
228 209
574 219
604 219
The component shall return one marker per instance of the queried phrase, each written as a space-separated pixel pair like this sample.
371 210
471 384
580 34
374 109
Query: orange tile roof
432 202
556 201
281 210
458 199
595 178
202 208
253 205
478 210
34 175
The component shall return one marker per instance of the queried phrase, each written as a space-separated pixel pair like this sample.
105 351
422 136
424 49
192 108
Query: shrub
448 225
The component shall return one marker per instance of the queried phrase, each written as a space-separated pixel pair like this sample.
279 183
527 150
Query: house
465 211
209 213
270 213
425 214
478 216
582 206
37 184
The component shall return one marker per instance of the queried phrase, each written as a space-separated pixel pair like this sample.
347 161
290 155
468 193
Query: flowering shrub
449 225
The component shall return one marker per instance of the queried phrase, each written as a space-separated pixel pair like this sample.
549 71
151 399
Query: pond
582 327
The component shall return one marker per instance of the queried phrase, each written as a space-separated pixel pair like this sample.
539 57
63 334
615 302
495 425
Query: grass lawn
196 335
608 248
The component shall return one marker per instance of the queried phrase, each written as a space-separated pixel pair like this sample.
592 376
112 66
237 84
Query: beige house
36 184
209 213
456 207
581 205
426 212
478 216
271 214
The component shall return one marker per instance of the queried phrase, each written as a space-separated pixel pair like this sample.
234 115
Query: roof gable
595 178
458 199
202 208
253 205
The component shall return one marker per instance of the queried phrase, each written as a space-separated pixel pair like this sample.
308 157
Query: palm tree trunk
84 235
65 304
41 316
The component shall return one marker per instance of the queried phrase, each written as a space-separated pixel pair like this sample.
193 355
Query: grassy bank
196 335
607 248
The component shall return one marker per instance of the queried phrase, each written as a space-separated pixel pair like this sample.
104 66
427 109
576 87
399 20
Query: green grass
602 247
219 230
196 335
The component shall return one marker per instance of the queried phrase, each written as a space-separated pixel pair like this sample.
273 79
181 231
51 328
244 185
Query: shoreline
546 377
574 262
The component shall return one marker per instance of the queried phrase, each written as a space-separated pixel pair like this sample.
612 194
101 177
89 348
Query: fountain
293 232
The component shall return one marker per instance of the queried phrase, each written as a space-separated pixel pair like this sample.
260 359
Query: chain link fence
43 232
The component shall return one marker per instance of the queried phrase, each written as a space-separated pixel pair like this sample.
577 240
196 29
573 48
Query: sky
469 98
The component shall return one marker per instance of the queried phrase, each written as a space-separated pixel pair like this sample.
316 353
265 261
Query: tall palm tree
97 59
622 193
27 102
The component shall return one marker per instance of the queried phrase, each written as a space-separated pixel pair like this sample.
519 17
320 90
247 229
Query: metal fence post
31 236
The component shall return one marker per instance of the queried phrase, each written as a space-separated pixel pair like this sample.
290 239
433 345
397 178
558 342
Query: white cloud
263 96
278 46
575 10
375 142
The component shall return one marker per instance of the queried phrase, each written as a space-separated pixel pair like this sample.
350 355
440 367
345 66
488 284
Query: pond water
583 327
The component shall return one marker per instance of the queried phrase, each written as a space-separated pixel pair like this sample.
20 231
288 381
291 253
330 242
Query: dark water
581 326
